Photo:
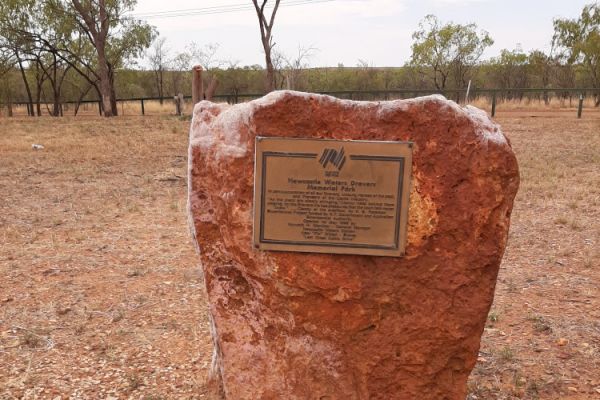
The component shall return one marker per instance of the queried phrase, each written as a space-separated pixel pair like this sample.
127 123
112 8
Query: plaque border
401 161
403 156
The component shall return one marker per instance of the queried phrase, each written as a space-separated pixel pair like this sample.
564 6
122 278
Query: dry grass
545 344
101 292
537 104
125 108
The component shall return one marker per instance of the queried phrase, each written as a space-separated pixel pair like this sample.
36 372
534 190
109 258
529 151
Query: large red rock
320 326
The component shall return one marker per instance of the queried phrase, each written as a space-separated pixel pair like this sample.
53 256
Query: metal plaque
331 196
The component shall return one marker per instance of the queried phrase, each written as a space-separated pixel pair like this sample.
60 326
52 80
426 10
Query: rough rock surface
319 326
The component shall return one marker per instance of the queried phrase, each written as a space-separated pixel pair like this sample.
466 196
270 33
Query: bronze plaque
331 196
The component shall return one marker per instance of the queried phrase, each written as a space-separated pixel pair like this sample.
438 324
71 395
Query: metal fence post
580 109
100 107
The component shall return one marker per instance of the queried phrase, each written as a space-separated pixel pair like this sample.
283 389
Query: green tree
93 37
540 70
578 42
447 52
16 19
510 69
114 36
6 66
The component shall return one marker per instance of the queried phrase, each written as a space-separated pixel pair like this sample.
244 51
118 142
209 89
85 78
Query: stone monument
350 249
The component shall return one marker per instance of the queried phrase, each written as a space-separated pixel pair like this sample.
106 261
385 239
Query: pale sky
344 31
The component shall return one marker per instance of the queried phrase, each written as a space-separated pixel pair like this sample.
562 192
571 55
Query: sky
346 31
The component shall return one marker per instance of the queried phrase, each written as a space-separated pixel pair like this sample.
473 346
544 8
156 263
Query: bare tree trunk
39 80
159 74
270 76
266 28
56 108
99 33
27 88
113 96
105 89
55 90
81 96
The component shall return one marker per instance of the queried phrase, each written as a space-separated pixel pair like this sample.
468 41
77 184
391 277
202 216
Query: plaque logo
335 157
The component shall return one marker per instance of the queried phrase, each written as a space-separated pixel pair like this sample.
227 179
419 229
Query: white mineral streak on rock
486 128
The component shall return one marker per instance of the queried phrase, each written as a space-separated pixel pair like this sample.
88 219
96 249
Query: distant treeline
235 81
57 51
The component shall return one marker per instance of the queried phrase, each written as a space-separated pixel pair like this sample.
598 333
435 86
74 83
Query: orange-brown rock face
320 326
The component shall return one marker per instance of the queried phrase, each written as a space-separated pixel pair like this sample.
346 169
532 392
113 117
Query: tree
540 68
578 41
447 51
510 69
159 62
92 37
16 17
291 68
365 75
266 27
6 66
113 36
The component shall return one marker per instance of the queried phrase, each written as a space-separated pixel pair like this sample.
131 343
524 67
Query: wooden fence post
143 111
197 85
580 109
177 107
494 104
100 107
178 104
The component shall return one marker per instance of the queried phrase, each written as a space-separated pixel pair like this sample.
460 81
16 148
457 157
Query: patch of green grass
493 316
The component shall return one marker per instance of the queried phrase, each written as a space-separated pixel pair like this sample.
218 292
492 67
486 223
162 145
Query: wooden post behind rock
197 85
177 101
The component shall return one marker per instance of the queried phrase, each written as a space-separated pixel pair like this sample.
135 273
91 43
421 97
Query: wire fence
570 97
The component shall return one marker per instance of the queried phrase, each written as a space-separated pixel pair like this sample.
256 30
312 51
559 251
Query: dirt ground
101 294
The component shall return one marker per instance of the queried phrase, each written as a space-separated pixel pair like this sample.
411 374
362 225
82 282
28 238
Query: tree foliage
92 37
511 69
50 52
577 41
447 51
